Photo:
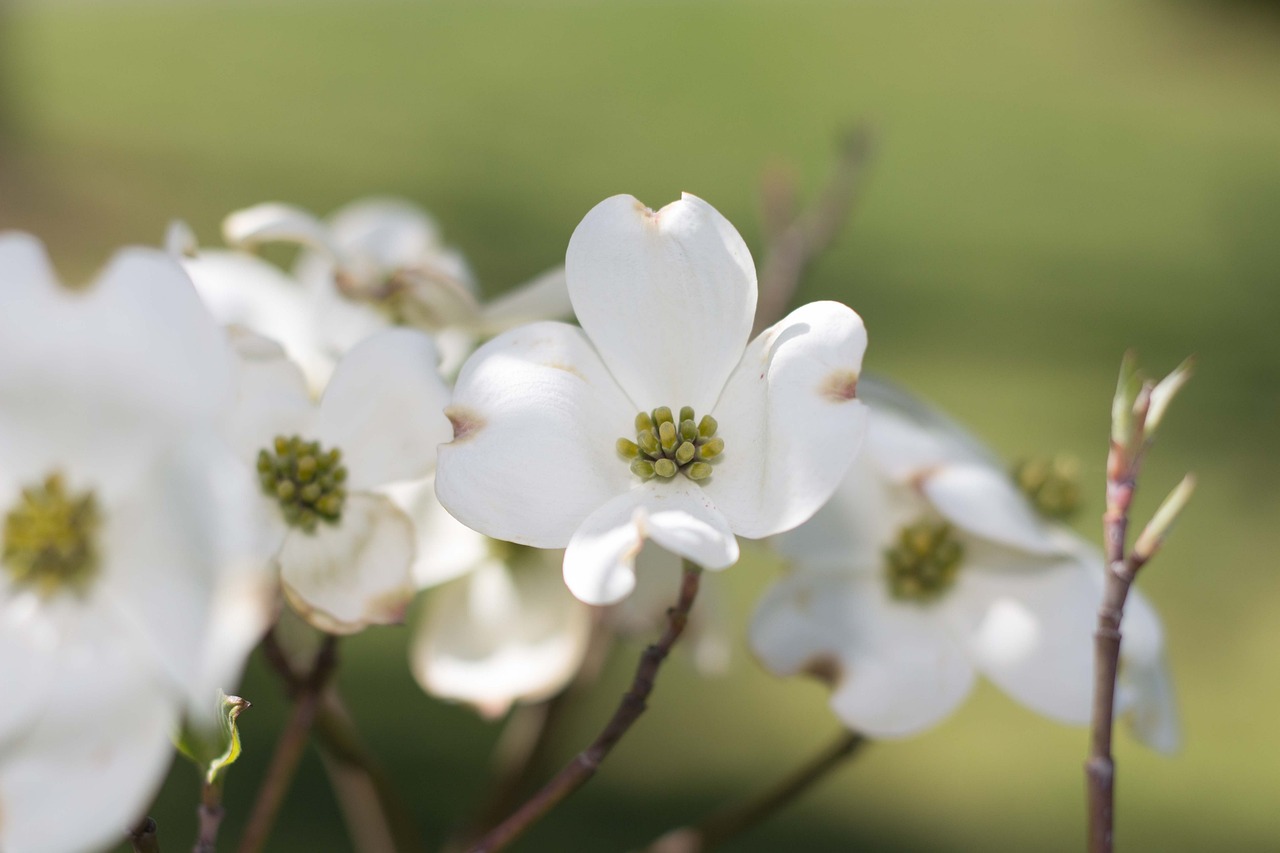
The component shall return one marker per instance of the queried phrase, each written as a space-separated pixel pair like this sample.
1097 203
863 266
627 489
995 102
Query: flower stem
797 239
209 813
734 820
1100 768
372 810
289 749
144 838
522 748
586 763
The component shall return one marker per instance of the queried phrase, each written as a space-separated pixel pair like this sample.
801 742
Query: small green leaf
214 748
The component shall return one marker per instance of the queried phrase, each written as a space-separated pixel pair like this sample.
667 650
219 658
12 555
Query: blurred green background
1054 182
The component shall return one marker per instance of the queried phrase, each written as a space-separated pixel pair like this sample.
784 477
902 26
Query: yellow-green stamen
924 562
50 538
306 480
1052 485
666 446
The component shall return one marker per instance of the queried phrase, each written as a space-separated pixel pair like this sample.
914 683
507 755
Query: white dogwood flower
730 438
346 552
928 567
126 540
374 263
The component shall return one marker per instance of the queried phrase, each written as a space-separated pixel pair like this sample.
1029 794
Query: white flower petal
501 635
599 564
535 419
906 436
86 771
667 298
1029 623
357 573
109 372
983 501
175 552
852 530
447 548
544 298
273 222
384 408
243 290
390 233
790 420
1145 689
272 398
896 670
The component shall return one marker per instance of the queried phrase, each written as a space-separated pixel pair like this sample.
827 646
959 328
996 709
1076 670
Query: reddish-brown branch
735 820
1100 768
289 749
209 815
371 807
586 763
796 240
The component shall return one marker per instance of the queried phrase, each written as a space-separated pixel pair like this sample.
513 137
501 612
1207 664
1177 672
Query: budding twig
586 763
736 819
1136 412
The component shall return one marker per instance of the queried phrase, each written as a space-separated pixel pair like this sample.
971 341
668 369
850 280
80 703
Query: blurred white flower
131 585
507 631
346 552
928 567
666 302
374 263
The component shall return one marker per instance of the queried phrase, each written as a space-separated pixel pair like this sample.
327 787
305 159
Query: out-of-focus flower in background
132 584
666 302
346 552
930 566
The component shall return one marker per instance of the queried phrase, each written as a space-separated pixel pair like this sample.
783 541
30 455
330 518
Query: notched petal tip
824 668
466 422
840 385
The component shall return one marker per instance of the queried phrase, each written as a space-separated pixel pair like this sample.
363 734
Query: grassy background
1056 181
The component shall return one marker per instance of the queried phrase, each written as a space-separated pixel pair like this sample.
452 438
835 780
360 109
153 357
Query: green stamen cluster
306 480
1053 485
665 446
924 562
50 538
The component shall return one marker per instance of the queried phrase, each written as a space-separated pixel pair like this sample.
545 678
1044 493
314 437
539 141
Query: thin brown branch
209 815
791 249
737 819
586 763
289 749
353 771
522 748
145 837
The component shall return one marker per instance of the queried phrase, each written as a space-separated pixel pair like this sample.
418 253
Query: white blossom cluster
200 438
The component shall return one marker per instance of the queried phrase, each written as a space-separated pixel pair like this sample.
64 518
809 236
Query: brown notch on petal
841 385
567 368
466 423
824 668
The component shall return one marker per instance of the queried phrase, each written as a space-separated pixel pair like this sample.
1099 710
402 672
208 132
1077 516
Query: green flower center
50 539
665 447
924 562
307 481
1051 484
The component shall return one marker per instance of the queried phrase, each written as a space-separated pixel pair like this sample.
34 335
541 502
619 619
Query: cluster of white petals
374 263
132 581
1016 603
666 301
